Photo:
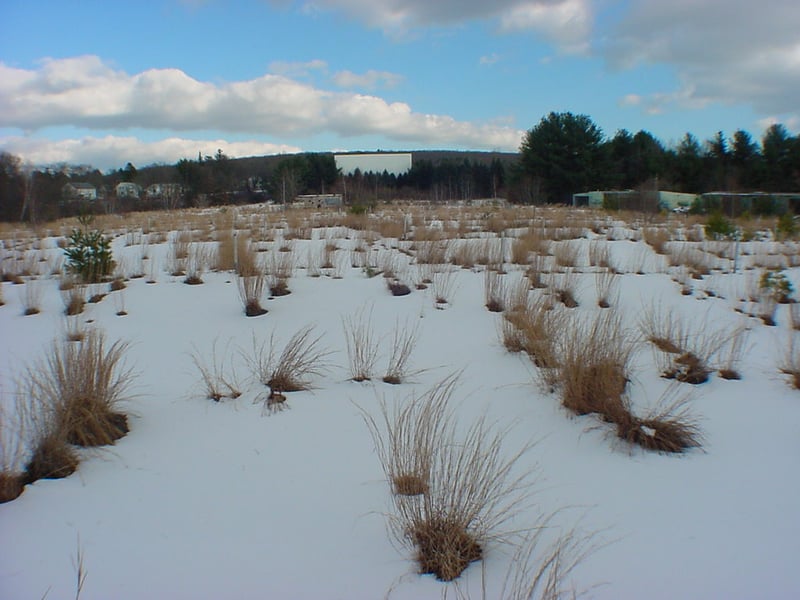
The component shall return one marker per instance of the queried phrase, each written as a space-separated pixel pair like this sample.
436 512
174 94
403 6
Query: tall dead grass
362 345
466 485
594 365
404 340
287 370
82 384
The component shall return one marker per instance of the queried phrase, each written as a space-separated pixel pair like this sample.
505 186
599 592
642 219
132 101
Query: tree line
563 154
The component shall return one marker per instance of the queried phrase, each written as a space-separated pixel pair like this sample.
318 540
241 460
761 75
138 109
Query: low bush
88 252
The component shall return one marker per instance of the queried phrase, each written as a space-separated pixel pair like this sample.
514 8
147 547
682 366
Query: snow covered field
207 499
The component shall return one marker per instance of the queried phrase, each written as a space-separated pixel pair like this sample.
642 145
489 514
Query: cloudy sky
106 82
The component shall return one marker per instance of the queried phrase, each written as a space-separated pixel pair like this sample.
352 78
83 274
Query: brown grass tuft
593 366
669 428
302 357
362 345
83 382
472 486
404 340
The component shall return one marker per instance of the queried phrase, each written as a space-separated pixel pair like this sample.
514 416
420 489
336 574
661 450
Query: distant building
319 200
79 191
633 199
127 189
394 163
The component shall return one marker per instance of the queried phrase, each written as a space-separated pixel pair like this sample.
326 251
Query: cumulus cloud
370 80
113 151
564 22
84 92
723 51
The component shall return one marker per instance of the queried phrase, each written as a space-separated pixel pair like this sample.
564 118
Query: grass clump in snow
362 345
302 357
12 436
686 350
593 365
218 377
250 281
404 340
473 486
669 427
82 383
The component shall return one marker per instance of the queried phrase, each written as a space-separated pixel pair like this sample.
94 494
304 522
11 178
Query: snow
220 500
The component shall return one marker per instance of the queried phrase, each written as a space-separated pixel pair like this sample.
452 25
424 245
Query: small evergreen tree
89 252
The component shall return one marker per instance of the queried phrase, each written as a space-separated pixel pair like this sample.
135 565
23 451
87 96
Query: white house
79 191
127 189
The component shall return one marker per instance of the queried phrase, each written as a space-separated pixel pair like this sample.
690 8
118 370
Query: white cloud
565 22
297 69
489 59
726 51
369 80
112 151
86 93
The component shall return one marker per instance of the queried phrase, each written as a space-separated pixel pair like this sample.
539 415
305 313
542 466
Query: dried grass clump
31 297
606 284
790 363
82 384
537 330
13 433
669 428
217 374
657 238
686 349
404 340
473 487
564 288
443 286
281 269
302 358
594 364
736 346
73 294
566 254
494 291
362 345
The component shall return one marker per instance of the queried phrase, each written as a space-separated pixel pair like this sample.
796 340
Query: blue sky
109 82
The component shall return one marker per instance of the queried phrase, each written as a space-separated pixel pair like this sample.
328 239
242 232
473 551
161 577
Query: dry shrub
362 345
226 248
593 365
464 253
432 252
82 383
404 340
302 357
217 374
794 315
665 329
473 488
